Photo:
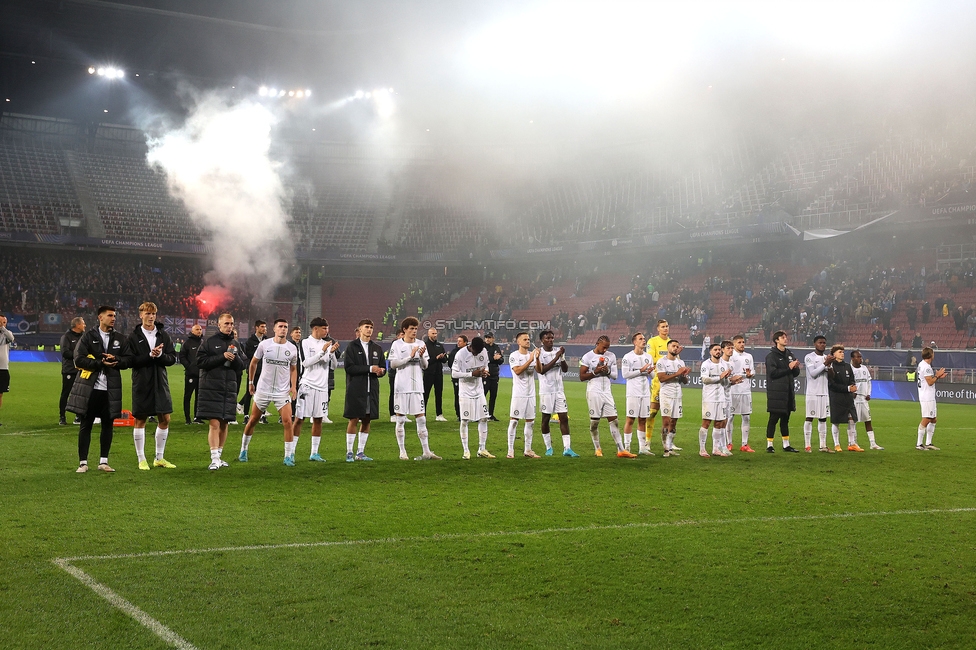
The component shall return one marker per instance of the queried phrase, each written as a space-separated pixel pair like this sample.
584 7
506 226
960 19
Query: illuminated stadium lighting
101 72
91 69
308 93
291 93
263 91
300 94
359 94
281 93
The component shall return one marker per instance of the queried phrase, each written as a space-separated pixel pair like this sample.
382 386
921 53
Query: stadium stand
36 194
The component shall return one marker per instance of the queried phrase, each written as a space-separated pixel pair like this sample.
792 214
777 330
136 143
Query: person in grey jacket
6 340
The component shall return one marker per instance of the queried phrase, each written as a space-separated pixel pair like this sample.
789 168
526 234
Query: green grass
591 553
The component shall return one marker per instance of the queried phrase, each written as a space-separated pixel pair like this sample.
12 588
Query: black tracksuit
68 371
491 381
434 374
780 392
191 374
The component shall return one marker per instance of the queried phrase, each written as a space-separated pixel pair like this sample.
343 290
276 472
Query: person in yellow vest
657 347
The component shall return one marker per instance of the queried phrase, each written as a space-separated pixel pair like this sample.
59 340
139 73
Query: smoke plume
218 164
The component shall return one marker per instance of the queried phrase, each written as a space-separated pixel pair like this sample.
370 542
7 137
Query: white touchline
117 601
177 641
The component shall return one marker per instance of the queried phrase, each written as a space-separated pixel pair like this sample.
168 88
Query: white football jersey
710 371
464 363
726 383
409 371
672 388
317 364
522 385
276 362
862 377
550 383
816 374
740 362
637 384
602 383
926 393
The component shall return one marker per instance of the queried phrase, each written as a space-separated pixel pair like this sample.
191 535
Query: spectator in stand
917 340
877 336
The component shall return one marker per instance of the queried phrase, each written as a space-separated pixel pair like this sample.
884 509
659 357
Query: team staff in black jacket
191 374
250 345
149 351
220 363
434 373
364 365
842 387
97 391
68 371
782 367
491 381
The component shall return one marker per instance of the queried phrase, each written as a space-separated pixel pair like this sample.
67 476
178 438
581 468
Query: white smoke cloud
218 163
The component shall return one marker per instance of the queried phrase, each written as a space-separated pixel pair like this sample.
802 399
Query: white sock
401 433
929 432
921 436
512 429
139 440
161 435
547 438
566 443
746 426
214 455
422 434
595 433
316 440
363 437
718 435
642 442
615 432
350 442
851 434
245 441
808 434
628 438
220 451
822 431
464 436
835 433
871 437
528 433
287 449
670 440
702 438
482 435
103 460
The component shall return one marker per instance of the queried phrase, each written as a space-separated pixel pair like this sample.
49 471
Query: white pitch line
120 603
509 533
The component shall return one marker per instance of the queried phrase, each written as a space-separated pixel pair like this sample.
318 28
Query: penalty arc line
175 640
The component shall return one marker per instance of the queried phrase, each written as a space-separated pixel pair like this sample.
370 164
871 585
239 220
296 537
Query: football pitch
763 550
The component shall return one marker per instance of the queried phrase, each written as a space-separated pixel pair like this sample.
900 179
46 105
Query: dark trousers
784 425
98 407
392 375
434 380
66 382
246 400
189 388
457 405
491 391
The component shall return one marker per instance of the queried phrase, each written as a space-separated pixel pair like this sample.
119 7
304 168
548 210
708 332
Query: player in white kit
276 385
637 366
730 381
744 366
817 396
469 368
409 358
313 387
522 362
598 368
672 373
550 366
862 400
926 378
714 375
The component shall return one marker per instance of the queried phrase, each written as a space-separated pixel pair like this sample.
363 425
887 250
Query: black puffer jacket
217 392
150 381
88 357
188 355
68 342
840 378
780 393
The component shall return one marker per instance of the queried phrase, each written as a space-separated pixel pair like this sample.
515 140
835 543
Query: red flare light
212 298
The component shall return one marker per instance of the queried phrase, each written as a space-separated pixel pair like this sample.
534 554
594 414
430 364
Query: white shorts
262 401
638 407
715 411
741 404
818 407
408 403
601 406
929 410
671 407
553 403
312 403
473 408
863 409
522 408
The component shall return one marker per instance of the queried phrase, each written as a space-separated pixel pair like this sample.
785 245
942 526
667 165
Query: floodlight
101 72
291 93
263 91
299 94
91 70
308 93
281 93
359 94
